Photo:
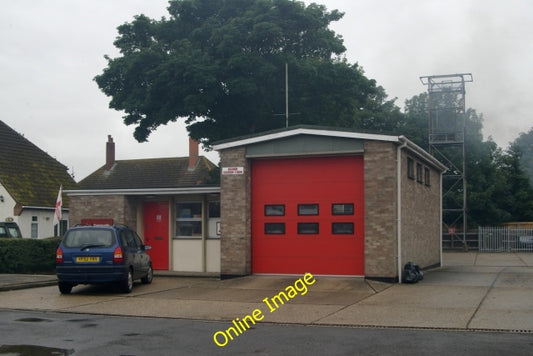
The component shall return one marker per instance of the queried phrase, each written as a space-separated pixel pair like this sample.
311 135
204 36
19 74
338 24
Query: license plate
88 259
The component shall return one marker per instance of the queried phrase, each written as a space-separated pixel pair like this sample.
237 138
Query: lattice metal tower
447 128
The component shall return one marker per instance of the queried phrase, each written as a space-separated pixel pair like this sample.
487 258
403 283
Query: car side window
134 240
137 239
128 239
123 238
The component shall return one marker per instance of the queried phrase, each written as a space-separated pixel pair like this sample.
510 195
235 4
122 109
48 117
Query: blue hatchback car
102 254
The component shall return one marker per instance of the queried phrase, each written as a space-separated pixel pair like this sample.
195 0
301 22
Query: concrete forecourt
472 291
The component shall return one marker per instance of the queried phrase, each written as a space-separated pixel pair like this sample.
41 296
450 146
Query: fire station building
296 200
328 202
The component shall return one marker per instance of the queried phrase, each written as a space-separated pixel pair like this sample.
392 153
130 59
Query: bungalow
29 184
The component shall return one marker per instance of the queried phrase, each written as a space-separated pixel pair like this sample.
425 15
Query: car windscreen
89 237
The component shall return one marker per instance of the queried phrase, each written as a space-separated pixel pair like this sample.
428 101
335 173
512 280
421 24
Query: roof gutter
42 207
420 152
143 191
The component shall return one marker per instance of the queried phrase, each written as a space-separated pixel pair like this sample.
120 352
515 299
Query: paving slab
499 259
503 319
420 295
509 298
170 308
400 316
48 298
515 277
459 259
526 258
333 298
457 277
24 281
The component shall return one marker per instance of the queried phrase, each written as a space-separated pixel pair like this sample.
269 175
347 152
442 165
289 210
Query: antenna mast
286 95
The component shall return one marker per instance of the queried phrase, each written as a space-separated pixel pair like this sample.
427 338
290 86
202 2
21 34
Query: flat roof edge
141 191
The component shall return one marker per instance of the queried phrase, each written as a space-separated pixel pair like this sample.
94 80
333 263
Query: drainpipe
399 202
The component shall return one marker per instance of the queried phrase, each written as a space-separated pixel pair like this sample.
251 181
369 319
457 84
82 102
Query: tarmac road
49 333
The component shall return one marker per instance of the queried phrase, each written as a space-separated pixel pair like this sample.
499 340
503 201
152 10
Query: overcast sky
50 51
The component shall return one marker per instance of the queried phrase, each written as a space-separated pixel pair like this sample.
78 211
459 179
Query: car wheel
64 287
127 284
149 276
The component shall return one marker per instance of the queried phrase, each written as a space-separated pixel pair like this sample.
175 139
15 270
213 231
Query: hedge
28 255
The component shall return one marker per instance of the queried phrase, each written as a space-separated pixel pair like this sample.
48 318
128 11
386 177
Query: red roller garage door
307 215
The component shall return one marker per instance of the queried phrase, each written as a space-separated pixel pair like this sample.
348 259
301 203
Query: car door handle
159 238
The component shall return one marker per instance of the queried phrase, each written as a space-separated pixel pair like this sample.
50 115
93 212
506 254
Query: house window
213 222
274 228
34 227
275 210
307 228
427 177
189 219
419 173
307 209
342 209
342 228
410 168
63 227
214 209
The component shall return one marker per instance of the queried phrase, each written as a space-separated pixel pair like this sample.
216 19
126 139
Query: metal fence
505 239
456 241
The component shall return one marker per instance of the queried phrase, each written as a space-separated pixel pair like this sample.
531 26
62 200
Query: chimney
110 153
193 153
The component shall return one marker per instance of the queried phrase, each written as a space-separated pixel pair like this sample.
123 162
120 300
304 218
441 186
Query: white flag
59 206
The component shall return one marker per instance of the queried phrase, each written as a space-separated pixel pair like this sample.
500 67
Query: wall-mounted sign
227 171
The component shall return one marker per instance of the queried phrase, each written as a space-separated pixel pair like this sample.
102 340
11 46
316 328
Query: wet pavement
472 291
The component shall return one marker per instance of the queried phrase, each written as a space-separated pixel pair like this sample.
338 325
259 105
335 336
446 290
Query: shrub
28 255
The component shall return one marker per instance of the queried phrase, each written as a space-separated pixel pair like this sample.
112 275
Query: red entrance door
156 233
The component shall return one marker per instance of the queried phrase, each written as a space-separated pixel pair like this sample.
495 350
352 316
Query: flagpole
58 211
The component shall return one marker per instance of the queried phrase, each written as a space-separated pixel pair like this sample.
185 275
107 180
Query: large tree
220 66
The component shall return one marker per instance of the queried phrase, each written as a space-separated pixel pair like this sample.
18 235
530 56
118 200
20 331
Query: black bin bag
412 273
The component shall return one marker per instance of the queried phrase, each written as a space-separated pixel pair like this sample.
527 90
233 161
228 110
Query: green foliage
498 191
524 143
28 255
220 65
415 121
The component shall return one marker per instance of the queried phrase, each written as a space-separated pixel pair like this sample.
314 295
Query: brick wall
421 220
235 210
121 209
380 209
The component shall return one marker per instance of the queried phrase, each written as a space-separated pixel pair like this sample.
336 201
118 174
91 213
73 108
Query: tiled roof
150 173
30 175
